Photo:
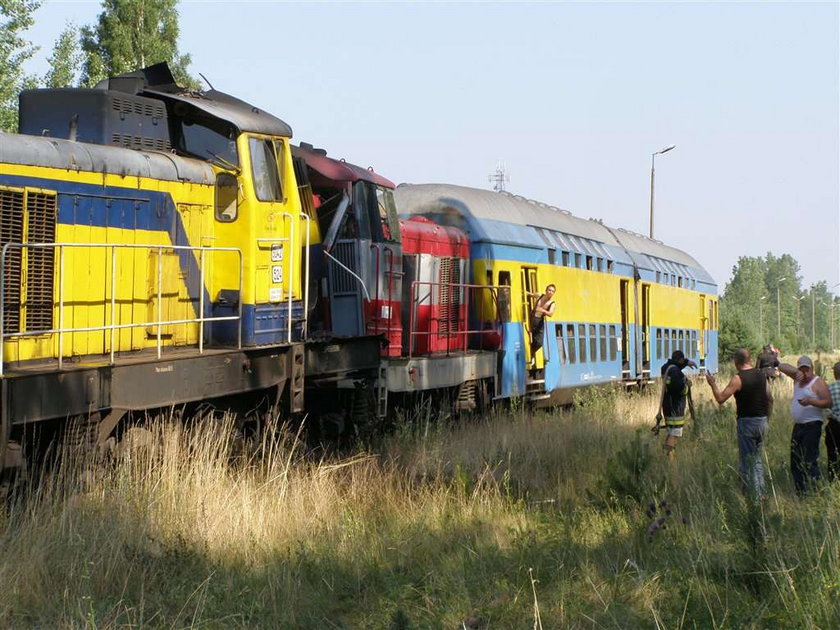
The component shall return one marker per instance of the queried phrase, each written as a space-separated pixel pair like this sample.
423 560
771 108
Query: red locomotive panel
435 260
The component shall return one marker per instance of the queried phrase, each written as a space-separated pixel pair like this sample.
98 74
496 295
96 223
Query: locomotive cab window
227 195
386 215
265 168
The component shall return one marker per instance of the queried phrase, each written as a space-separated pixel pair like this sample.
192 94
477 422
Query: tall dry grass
442 525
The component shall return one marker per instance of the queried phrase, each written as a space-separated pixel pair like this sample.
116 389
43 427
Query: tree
132 34
15 50
65 59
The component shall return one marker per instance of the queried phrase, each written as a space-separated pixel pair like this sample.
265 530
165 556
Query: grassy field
519 520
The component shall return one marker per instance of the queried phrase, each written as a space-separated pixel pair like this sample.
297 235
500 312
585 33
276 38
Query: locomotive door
530 291
625 330
645 333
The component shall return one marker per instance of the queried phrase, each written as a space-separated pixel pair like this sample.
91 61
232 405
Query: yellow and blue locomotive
155 251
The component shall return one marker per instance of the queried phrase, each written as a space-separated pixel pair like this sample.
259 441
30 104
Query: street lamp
779 309
652 170
799 313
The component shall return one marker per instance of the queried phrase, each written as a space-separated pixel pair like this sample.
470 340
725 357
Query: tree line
765 302
128 34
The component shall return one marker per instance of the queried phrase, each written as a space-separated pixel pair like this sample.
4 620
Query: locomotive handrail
308 220
412 333
375 317
343 266
113 327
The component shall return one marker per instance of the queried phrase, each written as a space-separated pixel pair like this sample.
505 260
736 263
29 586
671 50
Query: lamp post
761 317
652 171
779 310
799 313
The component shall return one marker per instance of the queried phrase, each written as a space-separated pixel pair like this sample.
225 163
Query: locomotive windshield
206 138
374 205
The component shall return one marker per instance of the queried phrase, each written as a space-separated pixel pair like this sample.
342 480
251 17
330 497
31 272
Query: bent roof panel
240 114
339 170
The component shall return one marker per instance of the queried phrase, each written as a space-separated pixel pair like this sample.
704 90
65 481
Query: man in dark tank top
753 405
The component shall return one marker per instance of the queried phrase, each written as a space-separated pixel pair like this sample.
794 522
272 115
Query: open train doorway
625 331
645 333
530 292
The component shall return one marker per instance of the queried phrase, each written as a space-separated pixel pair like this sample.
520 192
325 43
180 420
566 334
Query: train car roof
503 218
81 156
338 170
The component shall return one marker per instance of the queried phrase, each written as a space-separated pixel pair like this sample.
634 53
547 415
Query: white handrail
112 326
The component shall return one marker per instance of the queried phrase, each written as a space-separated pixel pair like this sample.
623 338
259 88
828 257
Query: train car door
625 332
529 300
645 332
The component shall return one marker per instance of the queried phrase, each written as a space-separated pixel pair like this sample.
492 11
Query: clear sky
574 97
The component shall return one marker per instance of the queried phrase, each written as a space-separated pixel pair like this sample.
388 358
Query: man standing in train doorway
676 392
544 307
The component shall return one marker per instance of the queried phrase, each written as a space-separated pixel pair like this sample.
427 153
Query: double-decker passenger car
624 302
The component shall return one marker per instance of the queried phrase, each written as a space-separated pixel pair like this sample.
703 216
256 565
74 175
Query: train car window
386 216
565 259
578 261
570 338
667 346
681 345
593 343
602 330
544 237
362 204
613 343
227 196
589 264
680 282
561 347
659 276
552 256
582 342
659 343
694 343
504 296
610 266
599 263
265 170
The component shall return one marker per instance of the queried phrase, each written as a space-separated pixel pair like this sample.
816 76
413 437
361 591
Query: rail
348 270
111 328
467 288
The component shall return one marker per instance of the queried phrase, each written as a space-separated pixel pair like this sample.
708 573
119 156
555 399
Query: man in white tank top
810 397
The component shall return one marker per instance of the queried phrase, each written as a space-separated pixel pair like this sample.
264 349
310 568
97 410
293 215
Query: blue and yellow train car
623 302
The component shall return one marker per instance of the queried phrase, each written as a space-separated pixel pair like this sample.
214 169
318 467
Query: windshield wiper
222 162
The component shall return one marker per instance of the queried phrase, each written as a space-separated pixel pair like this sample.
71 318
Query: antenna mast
500 177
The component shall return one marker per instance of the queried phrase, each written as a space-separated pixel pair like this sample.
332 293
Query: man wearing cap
810 397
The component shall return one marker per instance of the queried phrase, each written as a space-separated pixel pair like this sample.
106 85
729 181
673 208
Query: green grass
441 524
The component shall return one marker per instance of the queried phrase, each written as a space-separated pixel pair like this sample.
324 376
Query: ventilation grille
40 262
140 143
344 252
11 231
450 296
125 106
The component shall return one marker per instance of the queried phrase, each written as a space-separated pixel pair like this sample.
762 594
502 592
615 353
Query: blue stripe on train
100 206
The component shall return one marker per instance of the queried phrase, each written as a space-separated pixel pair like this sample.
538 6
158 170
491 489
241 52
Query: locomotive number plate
276 253
277 274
